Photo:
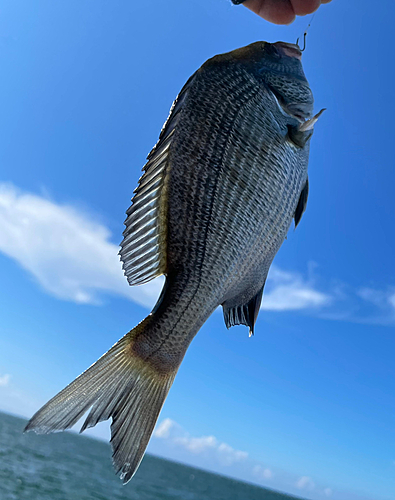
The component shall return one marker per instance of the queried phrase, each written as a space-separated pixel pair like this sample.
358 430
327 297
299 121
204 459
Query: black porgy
215 202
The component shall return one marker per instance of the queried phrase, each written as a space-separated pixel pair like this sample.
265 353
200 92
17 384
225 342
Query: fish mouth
289 49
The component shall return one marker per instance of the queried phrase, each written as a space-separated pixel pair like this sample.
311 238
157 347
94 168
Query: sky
306 406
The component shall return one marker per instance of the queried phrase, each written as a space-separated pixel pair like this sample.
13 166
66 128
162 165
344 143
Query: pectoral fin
243 314
309 124
301 133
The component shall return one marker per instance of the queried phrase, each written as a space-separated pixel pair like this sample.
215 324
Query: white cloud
68 253
383 299
289 291
376 297
328 492
4 380
164 428
71 256
293 297
305 483
261 472
267 474
383 302
223 453
197 445
17 401
228 456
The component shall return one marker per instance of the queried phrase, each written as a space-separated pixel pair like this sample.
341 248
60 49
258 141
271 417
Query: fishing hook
305 35
304 41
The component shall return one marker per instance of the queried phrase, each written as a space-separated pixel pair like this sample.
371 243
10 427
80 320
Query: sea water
66 466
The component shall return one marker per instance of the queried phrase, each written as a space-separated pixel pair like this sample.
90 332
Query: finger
326 1
275 11
304 7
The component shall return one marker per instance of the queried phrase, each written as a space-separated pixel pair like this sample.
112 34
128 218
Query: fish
215 202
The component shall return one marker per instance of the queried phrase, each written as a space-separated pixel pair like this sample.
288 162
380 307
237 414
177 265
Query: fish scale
212 208
287 200
206 167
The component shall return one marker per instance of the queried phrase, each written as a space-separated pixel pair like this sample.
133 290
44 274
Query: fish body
215 202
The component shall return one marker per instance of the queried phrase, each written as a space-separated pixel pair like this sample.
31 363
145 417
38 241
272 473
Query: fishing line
305 33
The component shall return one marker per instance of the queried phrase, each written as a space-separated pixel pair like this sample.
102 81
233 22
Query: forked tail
119 385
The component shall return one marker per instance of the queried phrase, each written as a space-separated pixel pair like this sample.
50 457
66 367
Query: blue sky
307 406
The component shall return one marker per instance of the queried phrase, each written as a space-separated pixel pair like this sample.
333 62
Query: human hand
283 11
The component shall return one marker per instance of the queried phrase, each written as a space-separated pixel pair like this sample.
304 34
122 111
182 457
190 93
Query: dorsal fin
243 314
143 249
302 203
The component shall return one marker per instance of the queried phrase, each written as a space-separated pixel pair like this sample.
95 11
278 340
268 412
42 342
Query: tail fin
119 385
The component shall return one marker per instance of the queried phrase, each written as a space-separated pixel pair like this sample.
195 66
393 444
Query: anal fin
243 314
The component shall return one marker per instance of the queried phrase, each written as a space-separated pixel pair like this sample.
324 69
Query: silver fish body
218 195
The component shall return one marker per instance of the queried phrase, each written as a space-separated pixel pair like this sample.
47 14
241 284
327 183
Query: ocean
72 467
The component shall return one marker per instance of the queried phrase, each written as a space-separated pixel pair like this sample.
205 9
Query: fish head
282 57
286 49
279 67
